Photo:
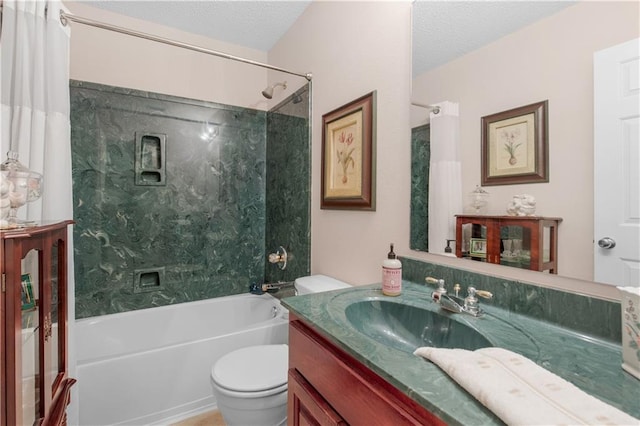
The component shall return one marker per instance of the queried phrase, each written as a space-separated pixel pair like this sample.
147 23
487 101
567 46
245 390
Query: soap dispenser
391 274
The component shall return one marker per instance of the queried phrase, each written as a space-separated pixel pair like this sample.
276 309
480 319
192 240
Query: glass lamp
18 186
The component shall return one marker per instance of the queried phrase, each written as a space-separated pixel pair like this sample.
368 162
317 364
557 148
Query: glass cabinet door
474 241
515 246
55 366
30 342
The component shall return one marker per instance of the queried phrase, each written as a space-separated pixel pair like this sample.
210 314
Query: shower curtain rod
64 17
434 108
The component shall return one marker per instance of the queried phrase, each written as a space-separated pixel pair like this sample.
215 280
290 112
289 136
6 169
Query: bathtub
152 366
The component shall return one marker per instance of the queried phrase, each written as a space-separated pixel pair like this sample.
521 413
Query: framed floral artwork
348 156
515 146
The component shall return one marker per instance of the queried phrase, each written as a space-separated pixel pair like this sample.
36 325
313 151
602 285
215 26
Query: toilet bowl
250 384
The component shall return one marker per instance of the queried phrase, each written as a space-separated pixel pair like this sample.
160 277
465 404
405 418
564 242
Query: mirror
550 59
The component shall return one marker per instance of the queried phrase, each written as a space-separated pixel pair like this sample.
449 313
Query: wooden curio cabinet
527 242
35 387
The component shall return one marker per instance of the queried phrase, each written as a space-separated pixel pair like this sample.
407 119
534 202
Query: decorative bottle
391 275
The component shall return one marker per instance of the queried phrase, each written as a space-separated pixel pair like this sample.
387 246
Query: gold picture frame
515 146
348 156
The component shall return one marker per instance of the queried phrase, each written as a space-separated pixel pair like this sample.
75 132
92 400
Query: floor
211 418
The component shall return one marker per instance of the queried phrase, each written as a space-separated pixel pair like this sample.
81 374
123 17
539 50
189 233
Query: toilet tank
317 284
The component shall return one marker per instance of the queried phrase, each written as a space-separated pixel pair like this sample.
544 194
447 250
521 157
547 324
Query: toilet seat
257 370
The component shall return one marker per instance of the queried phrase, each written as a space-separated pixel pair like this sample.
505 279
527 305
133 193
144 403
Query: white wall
353 48
107 57
551 59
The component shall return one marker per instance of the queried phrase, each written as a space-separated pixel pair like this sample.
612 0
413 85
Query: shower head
268 92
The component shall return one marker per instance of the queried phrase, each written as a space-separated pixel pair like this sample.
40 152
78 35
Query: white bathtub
152 366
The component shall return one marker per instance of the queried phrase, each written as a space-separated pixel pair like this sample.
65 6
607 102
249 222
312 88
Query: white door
616 164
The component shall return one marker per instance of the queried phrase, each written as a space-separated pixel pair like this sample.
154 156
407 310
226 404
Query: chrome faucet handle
471 301
440 283
439 291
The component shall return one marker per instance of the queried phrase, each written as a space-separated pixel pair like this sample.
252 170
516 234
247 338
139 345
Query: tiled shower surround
288 187
171 196
420 157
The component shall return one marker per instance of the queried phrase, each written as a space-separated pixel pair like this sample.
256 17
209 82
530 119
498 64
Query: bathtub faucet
270 287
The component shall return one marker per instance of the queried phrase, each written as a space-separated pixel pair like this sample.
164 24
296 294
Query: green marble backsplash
287 187
185 222
588 315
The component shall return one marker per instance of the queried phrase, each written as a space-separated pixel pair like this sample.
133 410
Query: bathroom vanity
351 364
327 386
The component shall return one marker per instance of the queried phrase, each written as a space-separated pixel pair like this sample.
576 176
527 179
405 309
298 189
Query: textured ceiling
445 30
257 24
442 30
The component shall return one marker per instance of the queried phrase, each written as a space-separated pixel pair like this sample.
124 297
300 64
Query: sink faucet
449 302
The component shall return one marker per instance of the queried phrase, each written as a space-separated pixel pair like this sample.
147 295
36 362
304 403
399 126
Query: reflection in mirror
56 362
552 59
420 158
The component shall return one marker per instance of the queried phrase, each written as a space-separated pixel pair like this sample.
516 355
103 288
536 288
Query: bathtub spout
271 287
255 288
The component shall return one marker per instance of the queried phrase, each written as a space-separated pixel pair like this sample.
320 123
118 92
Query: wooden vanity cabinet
327 386
35 387
537 239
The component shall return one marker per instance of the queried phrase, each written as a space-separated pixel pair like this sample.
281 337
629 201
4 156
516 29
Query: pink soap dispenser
391 275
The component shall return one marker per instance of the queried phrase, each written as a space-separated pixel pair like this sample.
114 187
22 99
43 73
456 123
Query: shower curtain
34 51
445 177
34 78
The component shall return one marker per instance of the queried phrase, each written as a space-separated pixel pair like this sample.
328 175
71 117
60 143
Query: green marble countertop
591 364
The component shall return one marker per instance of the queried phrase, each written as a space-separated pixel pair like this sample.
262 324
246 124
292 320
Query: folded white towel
521 392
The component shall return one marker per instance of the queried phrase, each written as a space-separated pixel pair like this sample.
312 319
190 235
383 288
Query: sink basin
407 327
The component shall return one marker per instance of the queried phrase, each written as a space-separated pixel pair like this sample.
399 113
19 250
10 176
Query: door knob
607 243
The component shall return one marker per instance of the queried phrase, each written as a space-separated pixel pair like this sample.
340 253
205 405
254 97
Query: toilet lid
252 369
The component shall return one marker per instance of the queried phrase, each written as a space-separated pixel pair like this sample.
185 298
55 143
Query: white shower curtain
34 51
34 78
445 177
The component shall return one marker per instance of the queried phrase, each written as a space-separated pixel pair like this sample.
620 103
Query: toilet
250 384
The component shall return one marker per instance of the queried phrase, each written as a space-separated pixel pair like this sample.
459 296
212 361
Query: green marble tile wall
420 156
183 224
596 317
288 185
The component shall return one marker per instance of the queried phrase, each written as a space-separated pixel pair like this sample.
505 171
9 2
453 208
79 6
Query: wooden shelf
537 235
